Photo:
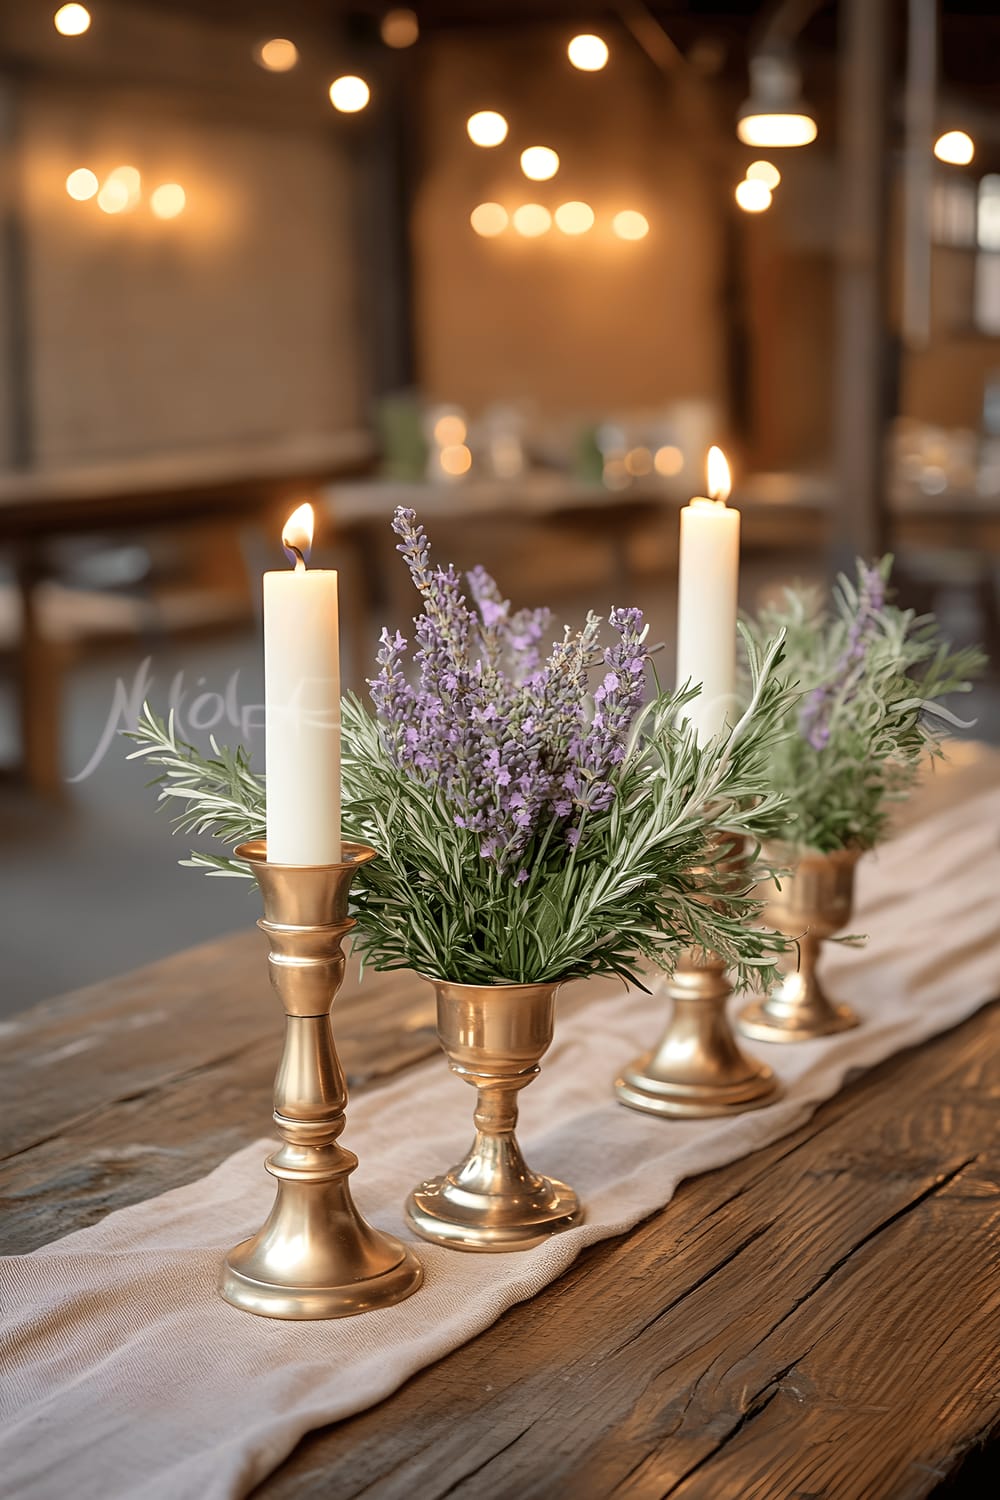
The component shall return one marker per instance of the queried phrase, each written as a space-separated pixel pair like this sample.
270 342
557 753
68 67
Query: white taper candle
707 599
302 706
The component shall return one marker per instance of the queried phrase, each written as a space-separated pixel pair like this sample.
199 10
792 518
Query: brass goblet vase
814 902
315 1257
698 1070
494 1037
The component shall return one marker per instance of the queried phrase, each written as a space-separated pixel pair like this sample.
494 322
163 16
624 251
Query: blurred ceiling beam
862 361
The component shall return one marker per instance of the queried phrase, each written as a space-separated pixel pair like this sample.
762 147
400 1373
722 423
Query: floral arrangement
529 827
871 678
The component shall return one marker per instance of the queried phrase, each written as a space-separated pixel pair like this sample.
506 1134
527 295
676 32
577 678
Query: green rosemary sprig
217 795
643 883
871 678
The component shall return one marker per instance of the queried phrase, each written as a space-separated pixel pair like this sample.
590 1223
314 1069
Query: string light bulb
82 184
113 197
539 163
489 219
765 172
486 128
71 20
532 220
349 94
753 196
279 55
168 200
588 53
123 179
574 217
630 225
955 147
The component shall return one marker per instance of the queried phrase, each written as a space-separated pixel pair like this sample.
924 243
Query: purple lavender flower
510 742
815 714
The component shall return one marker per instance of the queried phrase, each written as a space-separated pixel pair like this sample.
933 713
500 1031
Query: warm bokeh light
639 461
955 147
168 200
279 55
588 53
450 430
486 128
668 461
753 196
765 172
82 184
615 474
719 479
575 217
489 219
456 459
539 163
297 534
71 20
113 197
531 220
349 94
130 178
400 28
630 225
776 130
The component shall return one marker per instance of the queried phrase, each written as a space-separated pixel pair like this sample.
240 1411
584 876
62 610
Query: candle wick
300 562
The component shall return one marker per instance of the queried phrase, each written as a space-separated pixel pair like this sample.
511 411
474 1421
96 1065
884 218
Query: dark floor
93 888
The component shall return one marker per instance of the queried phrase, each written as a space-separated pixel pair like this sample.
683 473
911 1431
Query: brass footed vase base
494 1036
698 1070
814 903
315 1257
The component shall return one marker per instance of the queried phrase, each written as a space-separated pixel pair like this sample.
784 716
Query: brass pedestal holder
494 1036
814 902
697 1071
315 1257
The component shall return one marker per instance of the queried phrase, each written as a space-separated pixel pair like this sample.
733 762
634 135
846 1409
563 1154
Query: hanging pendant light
775 113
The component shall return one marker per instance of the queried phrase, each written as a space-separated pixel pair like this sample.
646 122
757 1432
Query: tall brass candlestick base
315 1257
698 1070
494 1036
814 903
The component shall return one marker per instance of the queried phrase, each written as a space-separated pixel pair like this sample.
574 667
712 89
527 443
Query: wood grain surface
820 1319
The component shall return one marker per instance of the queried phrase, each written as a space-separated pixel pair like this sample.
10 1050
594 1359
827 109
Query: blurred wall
588 324
944 384
235 320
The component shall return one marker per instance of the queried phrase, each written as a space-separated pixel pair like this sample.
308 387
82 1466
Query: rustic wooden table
819 1319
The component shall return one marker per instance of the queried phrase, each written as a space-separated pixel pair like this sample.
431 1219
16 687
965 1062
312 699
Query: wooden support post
863 365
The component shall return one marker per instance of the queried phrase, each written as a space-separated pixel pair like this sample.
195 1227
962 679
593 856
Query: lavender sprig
511 744
872 677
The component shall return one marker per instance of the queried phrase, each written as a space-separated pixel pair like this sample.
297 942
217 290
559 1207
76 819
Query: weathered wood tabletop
821 1318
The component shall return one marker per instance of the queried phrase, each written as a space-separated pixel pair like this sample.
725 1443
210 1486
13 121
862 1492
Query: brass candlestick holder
698 1070
494 1036
814 902
315 1257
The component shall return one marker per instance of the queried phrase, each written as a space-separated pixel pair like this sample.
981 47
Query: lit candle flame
297 536
719 481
